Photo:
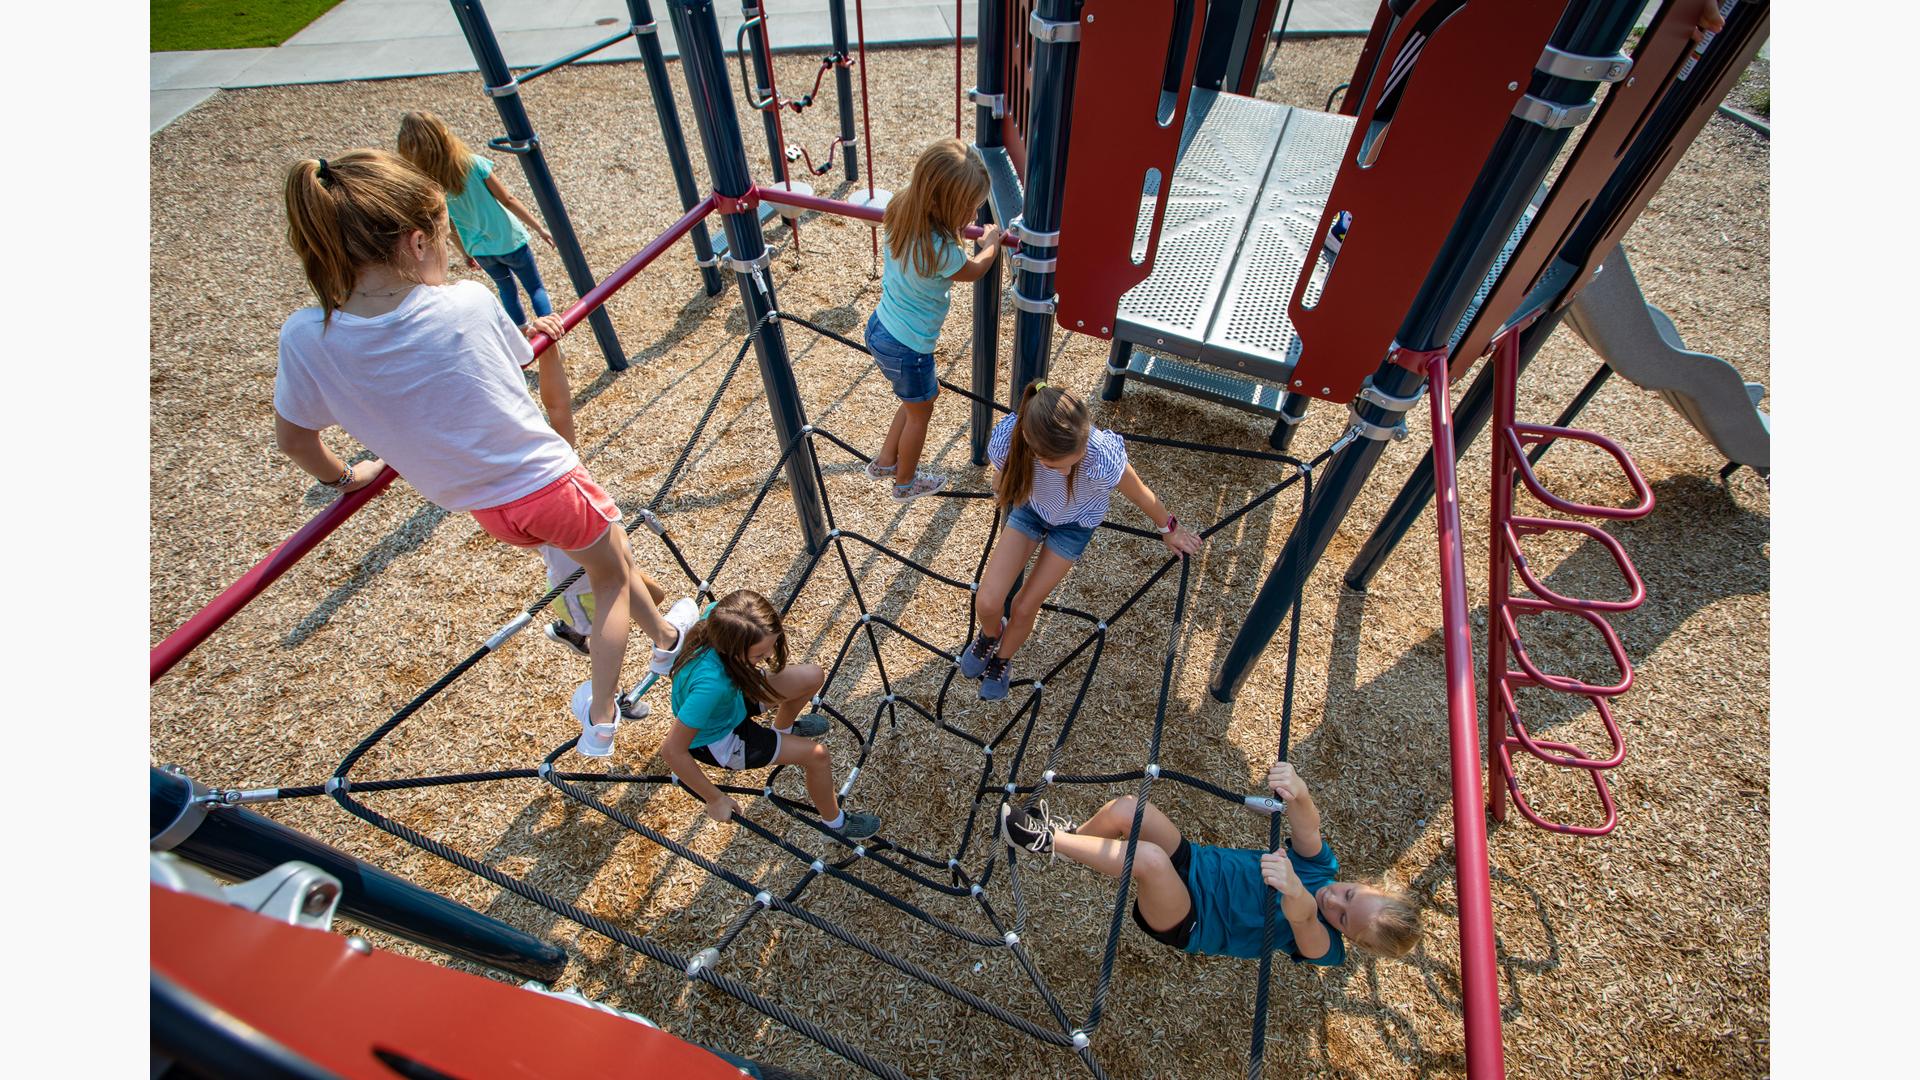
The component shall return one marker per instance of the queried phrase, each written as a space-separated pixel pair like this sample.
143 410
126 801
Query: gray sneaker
924 483
994 680
859 825
811 726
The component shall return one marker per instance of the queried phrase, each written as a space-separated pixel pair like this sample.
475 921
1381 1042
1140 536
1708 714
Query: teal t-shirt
1230 899
913 308
705 698
484 225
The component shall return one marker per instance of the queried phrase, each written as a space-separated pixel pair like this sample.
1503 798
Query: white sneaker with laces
681 616
596 740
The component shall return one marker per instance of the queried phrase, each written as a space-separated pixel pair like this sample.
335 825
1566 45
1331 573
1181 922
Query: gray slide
1639 342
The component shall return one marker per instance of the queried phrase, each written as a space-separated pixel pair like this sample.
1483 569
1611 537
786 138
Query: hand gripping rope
775 816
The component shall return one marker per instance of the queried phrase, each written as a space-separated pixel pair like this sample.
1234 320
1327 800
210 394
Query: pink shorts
571 513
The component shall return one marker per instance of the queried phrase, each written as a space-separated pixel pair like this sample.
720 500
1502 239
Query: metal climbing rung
1509 667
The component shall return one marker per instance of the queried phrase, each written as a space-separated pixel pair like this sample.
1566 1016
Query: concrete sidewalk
388 39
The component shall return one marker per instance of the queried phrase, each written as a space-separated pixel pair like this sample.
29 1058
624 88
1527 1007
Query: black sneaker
1029 830
560 631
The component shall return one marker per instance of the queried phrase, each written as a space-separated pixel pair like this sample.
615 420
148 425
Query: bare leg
655 592
1048 571
913 438
610 570
1101 844
890 450
556 394
812 758
796 684
1010 555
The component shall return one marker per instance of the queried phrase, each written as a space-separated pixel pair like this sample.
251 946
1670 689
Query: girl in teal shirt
732 667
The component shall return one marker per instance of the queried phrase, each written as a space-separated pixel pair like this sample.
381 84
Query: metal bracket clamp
1020 260
1038 307
643 28
1374 395
1550 116
1565 65
1050 32
996 102
506 144
704 263
748 266
506 89
1017 228
727 204
1367 429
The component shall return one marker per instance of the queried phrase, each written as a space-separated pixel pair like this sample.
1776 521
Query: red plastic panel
1606 139
1452 110
1369 56
309 992
1117 137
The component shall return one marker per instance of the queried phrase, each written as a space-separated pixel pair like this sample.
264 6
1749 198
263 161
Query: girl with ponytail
428 375
1057 475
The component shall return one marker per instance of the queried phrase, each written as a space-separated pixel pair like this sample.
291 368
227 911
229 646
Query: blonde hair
352 212
1394 929
948 185
432 147
1049 423
735 625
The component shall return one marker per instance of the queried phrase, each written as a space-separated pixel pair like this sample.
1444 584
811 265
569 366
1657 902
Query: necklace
382 295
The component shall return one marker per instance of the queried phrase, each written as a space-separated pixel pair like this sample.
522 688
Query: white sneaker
681 616
596 740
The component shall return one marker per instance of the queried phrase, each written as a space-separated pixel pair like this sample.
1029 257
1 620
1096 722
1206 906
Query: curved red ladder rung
1520 605
1520 435
1518 556
1578 759
1503 748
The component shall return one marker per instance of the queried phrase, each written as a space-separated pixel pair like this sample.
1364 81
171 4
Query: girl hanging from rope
490 240
924 259
427 374
1057 476
733 668
1212 901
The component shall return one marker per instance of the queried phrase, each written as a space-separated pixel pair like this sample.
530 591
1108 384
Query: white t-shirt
434 387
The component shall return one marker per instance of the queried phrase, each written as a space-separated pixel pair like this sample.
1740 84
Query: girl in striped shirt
1057 476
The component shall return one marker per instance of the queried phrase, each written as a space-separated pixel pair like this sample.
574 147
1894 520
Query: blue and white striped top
1094 478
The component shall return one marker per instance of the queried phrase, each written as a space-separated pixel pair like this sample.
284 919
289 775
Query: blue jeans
910 372
1066 541
502 268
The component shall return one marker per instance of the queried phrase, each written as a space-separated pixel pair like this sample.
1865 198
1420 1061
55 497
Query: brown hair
734 626
351 212
1394 929
948 185
432 147
1050 423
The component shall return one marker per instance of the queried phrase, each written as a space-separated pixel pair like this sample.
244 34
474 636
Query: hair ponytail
1049 422
949 183
354 215
430 145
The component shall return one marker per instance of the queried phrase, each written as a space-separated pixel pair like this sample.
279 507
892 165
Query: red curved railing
215 614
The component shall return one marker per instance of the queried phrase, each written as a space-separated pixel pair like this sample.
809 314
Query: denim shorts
1066 541
911 373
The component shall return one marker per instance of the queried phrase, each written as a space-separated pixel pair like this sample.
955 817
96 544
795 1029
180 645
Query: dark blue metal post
990 75
646 35
521 142
704 61
843 89
760 94
239 844
1514 169
1293 407
1048 126
1470 417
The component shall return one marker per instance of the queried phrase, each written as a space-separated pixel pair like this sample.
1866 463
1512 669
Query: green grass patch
229 24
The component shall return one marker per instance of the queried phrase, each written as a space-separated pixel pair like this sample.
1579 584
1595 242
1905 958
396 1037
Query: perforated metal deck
1248 193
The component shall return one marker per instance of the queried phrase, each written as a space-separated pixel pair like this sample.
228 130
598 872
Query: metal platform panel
1004 193
1205 382
1247 196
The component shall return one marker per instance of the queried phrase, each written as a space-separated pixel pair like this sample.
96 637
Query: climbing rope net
1006 774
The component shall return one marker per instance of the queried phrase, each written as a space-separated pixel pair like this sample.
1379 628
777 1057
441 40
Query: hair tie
322 172
1040 384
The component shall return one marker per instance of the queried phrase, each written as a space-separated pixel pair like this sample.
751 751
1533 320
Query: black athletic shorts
1178 935
749 746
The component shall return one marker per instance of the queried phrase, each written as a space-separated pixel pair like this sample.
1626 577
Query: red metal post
1479 978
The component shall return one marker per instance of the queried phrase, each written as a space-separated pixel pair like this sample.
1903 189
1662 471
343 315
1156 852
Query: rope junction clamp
1266 804
1153 771
501 636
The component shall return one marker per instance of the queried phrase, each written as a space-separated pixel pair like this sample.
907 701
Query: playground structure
1482 267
